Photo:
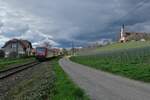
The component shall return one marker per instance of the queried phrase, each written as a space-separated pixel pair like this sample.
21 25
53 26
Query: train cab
41 52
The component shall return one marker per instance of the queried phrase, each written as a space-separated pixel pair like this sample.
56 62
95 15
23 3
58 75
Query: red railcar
43 53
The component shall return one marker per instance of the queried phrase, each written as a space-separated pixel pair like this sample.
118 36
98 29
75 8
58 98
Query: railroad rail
11 71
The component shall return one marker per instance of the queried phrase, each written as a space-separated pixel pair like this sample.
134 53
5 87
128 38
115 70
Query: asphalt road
104 86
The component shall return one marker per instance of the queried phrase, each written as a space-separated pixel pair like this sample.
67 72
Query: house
18 47
56 51
100 43
133 36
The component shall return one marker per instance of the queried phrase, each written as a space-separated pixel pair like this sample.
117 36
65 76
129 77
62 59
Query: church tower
122 38
122 31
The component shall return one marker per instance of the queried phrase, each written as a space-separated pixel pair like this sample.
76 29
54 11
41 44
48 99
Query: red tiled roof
24 43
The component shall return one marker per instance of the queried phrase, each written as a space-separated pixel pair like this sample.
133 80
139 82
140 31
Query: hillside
115 46
126 59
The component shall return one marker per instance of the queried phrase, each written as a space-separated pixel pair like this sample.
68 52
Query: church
132 36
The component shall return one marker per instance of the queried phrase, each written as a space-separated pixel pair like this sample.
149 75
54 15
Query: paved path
104 86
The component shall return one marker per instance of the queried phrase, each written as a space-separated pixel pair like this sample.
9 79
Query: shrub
78 93
2 54
13 54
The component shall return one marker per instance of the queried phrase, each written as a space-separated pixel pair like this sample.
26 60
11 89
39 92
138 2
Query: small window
14 45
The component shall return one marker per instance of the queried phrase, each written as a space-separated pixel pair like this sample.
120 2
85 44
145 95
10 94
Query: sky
62 21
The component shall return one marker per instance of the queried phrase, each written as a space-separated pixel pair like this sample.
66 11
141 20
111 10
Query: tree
2 54
65 52
47 44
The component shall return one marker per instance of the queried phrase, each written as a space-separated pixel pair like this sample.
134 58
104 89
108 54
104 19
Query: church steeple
122 38
122 31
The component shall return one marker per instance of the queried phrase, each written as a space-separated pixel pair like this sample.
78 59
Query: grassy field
5 62
132 63
115 47
65 89
128 45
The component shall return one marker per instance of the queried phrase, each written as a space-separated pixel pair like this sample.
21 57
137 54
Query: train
43 53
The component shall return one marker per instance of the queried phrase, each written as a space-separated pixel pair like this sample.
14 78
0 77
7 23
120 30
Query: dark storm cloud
79 20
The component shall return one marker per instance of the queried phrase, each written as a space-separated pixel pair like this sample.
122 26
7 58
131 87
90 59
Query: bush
78 93
13 54
2 54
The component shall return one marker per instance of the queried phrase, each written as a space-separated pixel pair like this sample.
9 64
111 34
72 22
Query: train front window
40 49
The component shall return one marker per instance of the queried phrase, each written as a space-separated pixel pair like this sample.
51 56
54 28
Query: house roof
136 34
24 43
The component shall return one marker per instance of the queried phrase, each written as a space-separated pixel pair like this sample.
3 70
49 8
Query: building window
14 45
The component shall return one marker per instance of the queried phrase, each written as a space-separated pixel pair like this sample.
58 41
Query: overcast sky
63 21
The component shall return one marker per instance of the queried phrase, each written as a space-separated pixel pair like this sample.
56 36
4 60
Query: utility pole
17 48
73 49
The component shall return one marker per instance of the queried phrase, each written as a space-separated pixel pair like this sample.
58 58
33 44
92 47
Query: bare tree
47 44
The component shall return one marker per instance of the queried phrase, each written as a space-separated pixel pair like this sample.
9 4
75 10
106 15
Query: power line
73 48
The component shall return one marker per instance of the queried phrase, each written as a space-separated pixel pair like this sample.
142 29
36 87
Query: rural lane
104 86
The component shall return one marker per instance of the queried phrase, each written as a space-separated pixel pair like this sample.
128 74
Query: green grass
65 89
5 62
127 45
115 47
131 63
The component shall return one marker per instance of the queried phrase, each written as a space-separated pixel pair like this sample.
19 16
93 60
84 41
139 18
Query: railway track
11 71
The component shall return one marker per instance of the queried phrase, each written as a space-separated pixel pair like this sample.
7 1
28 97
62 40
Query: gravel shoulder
104 86
22 84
